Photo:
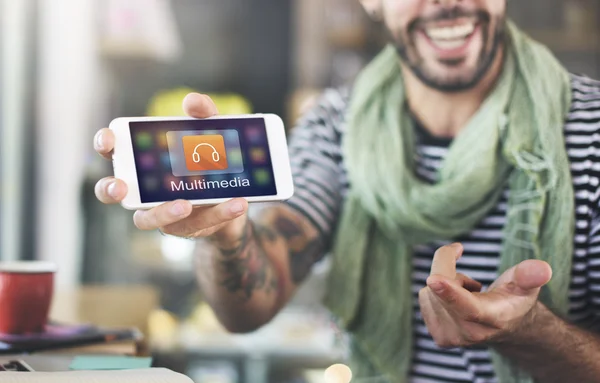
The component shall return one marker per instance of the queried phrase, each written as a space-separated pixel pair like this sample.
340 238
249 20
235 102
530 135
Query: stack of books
80 339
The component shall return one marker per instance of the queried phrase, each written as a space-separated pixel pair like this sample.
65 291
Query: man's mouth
450 37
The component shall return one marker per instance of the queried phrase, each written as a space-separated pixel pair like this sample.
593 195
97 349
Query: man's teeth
450 34
449 44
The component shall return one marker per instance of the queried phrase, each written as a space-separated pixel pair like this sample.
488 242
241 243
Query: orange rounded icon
205 152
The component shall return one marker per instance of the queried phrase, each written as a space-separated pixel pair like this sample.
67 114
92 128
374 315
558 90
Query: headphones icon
196 156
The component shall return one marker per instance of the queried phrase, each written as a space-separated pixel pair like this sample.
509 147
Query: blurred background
68 67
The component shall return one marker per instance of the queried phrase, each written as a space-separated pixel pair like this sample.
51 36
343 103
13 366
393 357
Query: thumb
199 106
531 275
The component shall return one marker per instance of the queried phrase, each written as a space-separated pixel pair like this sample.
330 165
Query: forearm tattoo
246 269
304 250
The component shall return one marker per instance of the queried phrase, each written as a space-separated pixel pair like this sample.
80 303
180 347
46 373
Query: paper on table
149 375
109 362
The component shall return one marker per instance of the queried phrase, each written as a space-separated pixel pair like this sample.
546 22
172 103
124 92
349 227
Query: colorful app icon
147 161
262 177
258 155
205 152
235 157
151 183
143 141
161 139
165 159
255 134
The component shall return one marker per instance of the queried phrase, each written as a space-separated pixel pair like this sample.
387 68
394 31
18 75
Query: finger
455 298
468 283
531 275
444 260
104 142
163 215
110 190
206 218
428 311
199 106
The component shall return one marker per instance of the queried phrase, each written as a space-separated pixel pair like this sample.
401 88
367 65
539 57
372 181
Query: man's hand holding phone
225 221
194 178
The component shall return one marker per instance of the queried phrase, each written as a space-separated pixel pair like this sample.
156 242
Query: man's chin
449 75
448 82
453 63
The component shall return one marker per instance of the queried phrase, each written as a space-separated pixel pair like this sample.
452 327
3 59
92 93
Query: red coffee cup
25 295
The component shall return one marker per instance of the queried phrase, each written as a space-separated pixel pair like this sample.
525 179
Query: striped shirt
321 185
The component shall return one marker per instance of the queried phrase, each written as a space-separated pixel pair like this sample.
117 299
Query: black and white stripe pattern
321 185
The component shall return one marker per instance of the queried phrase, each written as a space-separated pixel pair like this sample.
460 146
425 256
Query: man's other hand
458 314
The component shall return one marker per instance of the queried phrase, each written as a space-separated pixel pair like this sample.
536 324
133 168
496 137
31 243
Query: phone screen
202 159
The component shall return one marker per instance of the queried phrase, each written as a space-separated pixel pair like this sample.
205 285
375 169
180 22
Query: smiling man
447 48
463 135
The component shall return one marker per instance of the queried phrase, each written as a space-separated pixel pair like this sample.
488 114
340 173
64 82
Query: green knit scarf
515 139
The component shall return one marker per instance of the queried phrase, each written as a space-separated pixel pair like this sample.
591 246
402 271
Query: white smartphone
206 161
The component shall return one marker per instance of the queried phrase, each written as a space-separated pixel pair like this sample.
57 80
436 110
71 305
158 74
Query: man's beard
486 59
